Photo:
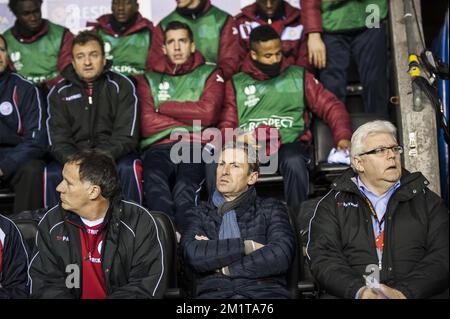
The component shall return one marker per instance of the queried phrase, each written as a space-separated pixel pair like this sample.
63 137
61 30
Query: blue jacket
22 131
13 261
261 274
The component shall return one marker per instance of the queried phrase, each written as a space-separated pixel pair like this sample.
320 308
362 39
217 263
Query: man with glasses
380 232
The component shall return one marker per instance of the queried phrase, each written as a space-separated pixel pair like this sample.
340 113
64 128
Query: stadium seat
27 222
324 173
169 242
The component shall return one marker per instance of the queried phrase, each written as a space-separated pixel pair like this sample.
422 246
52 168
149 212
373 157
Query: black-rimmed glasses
382 151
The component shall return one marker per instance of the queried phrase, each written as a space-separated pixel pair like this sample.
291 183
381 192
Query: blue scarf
229 227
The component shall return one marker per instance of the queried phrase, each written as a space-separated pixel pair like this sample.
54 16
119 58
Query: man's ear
253 178
253 55
357 164
164 49
193 47
94 192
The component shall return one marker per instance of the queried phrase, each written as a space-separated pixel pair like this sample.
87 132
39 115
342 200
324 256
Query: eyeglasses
382 151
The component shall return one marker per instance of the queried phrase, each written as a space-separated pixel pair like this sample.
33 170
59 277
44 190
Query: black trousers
170 186
27 186
369 49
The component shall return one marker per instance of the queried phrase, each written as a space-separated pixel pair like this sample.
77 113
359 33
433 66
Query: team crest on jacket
108 49
6 108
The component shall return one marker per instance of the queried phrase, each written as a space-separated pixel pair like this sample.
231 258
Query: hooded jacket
132 255
173 114
108 120
22 126
228 59
319 101
261 274
13 261
416 237
291 31
141 24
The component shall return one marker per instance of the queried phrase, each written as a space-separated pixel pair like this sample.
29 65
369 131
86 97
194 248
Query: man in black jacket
239 245
22 136
13 261
380 233
93 107
104 247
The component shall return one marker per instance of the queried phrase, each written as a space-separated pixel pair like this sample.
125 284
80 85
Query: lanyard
379 240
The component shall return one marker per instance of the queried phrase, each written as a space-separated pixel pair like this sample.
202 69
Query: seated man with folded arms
238 244
94 245
380 232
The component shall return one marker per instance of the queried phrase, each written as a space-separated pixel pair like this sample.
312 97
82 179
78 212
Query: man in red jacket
184 95
214 32
286 20
128 37
269 91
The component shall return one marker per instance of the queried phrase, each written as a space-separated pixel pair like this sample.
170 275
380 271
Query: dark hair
263 33
250 151
85 36
13 4
4 40
99 169
177 25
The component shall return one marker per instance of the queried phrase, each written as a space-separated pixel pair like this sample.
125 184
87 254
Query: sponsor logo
127 69
273 121
347 204
6 108
62 238
72 97
292 33
163 93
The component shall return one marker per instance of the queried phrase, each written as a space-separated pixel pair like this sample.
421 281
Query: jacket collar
291 14
35 37
70 75
250 68
104 23
206 7
410 184
240 210
167 67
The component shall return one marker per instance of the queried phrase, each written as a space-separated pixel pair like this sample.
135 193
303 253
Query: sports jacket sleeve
59 128
48 279
430 277
14 276
207 109
208 255
229 49
277 254
148 275
33 140
325 253
152 122
311 15
328 107
125 133
155 53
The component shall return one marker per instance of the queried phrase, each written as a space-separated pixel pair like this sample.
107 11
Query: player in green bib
38 48
127 36
357 29
184 95
270 92
215 33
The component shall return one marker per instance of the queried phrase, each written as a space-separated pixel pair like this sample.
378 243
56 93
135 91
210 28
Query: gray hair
367 129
